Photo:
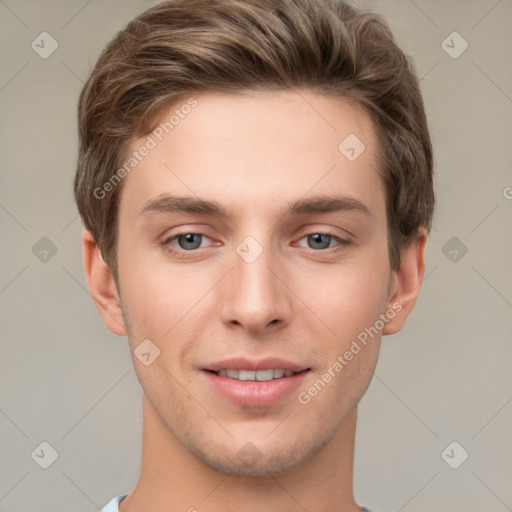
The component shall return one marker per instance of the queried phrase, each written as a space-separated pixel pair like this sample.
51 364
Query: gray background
446 377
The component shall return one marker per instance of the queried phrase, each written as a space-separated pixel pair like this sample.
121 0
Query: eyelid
323 229
173 237
341 241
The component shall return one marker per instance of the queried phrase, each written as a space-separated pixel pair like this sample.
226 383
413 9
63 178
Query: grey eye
190 241
319 239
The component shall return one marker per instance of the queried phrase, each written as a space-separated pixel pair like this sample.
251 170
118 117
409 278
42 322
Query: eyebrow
167 203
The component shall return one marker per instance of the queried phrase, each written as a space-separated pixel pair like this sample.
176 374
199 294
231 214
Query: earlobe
407 283
102 286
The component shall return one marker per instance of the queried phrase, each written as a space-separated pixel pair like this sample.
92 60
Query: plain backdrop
442 388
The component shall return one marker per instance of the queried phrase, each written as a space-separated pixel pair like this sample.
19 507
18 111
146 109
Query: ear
406 282
102 286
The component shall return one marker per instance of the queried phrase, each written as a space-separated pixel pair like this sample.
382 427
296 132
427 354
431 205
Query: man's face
261 282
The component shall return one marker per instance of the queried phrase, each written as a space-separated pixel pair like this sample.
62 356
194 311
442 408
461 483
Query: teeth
264 375
246 375
260 375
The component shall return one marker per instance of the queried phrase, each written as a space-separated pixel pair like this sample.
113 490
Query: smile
255 388
259 375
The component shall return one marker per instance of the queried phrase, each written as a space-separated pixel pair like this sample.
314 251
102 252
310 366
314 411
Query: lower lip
255 393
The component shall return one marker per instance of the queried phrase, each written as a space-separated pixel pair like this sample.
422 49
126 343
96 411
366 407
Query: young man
256 182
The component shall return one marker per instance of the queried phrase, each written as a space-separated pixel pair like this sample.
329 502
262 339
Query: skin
253 153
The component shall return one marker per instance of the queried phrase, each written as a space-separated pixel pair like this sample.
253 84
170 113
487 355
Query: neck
173 480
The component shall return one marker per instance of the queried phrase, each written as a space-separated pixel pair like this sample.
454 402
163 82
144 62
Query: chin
264 467
274 459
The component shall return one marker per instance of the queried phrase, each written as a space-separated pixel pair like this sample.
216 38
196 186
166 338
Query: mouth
256 375
255 384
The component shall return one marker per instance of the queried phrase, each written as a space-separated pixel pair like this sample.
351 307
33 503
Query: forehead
256 149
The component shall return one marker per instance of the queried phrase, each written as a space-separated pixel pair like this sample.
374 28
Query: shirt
113 505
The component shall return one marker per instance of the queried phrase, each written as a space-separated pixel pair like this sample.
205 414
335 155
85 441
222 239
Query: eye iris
192 241
317 238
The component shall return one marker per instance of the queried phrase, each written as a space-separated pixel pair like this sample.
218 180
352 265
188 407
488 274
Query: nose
254 294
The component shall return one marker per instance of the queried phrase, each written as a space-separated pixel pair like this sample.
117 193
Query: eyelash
180 252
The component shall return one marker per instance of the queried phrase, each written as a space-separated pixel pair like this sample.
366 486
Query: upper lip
242 363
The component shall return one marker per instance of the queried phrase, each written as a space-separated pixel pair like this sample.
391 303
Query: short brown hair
182 47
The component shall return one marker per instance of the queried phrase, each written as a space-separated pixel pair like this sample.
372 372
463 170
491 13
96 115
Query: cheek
357 372
164 305
158 307
348 298
153 295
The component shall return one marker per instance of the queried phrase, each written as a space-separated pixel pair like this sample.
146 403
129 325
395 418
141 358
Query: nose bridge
255 297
